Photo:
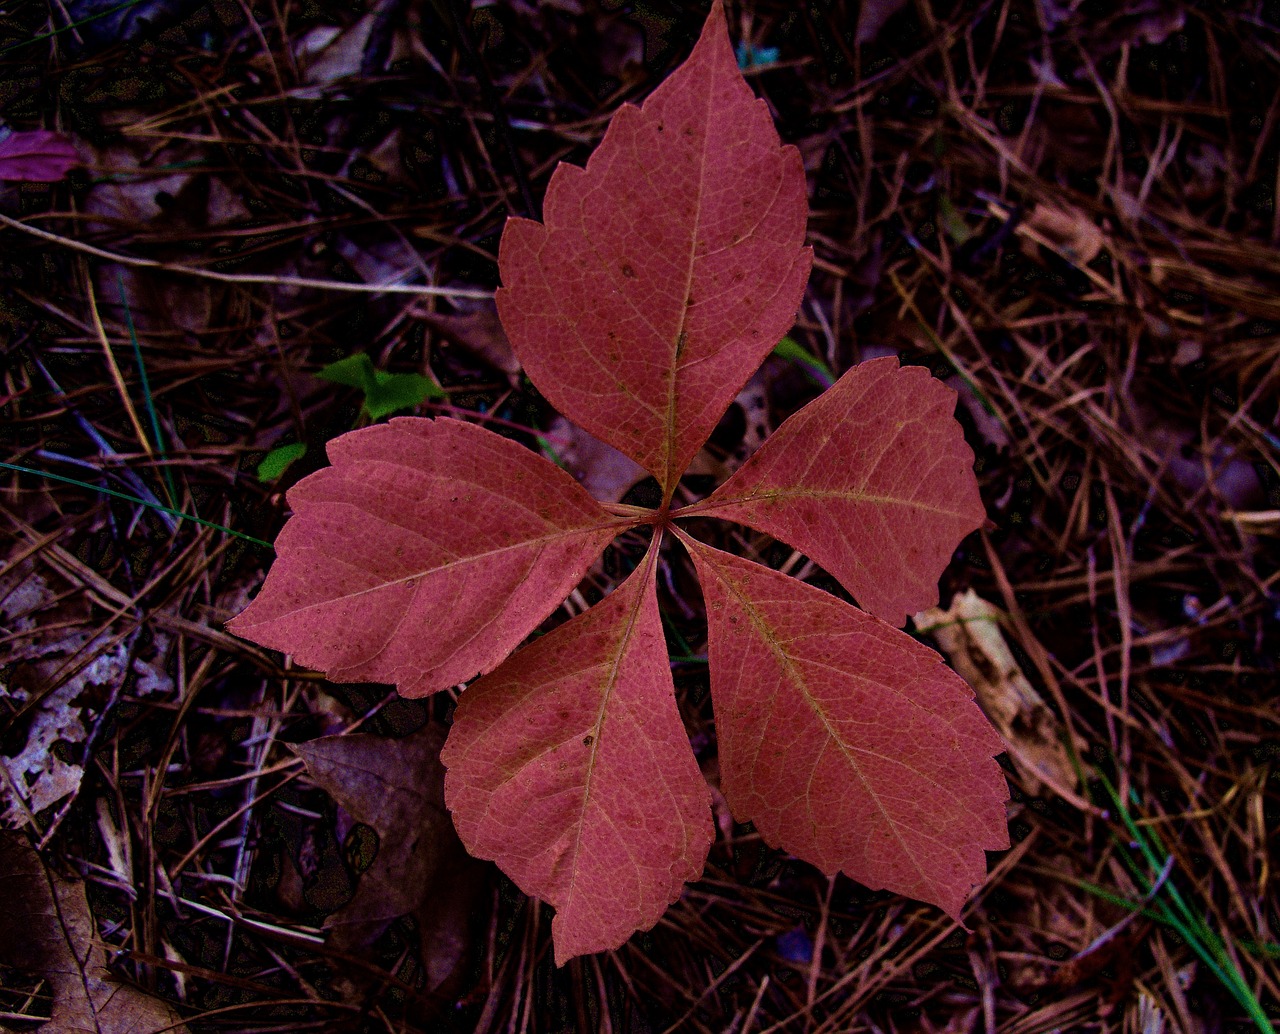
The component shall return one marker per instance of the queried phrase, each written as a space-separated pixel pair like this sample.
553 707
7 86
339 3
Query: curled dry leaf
1064 230
47 930
431 548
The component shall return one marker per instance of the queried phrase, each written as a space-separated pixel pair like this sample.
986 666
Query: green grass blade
134 499
146 395
73 25
1179 916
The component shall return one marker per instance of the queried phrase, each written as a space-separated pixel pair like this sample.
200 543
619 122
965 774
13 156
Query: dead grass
1068 210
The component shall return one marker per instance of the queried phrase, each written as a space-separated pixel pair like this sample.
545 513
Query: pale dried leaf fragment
43 773
1065 230
969 633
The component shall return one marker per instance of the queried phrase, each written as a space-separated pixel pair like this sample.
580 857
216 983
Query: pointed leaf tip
666 270
569 767
873 480
844 740
423 555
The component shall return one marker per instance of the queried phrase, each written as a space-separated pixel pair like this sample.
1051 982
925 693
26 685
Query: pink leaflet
845 741
569 767
873 480
38 156
423 555
667 268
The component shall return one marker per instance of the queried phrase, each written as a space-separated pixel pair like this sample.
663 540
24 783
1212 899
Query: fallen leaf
37 156
873 480
844 740
48 633
569 766
420 868
47 930
644 302
356 606
969 632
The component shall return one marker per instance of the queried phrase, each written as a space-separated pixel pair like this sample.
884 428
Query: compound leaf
873 480
844 740
664 273
667 269
423 555
569 766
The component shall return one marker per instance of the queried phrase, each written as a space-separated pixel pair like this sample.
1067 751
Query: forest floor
1067 210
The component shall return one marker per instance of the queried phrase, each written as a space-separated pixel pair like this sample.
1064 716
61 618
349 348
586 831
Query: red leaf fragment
844 740
873 480
423 555
569 766
38 156
667 269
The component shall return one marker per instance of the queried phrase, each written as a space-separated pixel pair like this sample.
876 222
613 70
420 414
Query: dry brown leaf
969 633
481 334
46 930
420 868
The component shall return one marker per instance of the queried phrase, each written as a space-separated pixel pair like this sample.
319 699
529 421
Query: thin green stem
134 499
146 394
72 25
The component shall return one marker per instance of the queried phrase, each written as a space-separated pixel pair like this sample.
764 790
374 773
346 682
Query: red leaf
569 767
665 272
873 480
424 555
844 740
667 268
39 156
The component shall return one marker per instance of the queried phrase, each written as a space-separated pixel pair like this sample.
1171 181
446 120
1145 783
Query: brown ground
1068 212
